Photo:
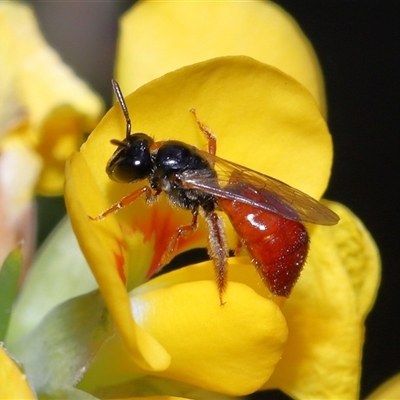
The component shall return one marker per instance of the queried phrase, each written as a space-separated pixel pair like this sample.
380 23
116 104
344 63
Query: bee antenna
121 101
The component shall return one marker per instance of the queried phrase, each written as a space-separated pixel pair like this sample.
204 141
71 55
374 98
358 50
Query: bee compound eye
131 162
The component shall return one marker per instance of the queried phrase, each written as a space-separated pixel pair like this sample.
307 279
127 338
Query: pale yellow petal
359 254
12 112
19 170
42 81
58 107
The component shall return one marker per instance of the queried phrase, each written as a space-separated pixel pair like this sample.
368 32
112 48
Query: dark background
358 44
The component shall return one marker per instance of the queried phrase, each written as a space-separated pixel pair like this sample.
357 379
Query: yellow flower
45 108
44 112
249 101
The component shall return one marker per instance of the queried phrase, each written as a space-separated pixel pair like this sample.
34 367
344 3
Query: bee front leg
125 201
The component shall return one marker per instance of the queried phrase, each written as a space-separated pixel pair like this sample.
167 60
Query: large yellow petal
225 349
261 117
14 383
57 107
161 36
326 313
242 347
105 253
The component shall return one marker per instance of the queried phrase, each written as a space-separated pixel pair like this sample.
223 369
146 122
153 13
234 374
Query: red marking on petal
120 262
163 222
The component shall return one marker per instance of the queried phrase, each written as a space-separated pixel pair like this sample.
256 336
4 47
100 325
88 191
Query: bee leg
125 201
212 140
182 232
218 250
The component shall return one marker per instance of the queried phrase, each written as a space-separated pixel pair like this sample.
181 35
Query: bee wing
272 195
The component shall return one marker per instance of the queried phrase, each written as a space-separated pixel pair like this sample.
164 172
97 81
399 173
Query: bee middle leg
182 232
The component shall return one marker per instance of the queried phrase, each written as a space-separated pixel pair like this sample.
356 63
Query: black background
358 45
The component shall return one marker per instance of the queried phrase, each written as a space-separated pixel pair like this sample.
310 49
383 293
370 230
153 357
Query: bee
267 214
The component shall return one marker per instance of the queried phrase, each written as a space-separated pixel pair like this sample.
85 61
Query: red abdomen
278 246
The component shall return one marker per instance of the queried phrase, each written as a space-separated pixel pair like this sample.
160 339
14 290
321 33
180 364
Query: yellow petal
12 113
14 383
19 171
58 107
61 133
359 255
261 117
326 313
105 254
389 390
240 270
160 36
225 349
242 348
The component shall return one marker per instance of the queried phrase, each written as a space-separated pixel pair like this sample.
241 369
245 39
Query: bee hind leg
218 251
